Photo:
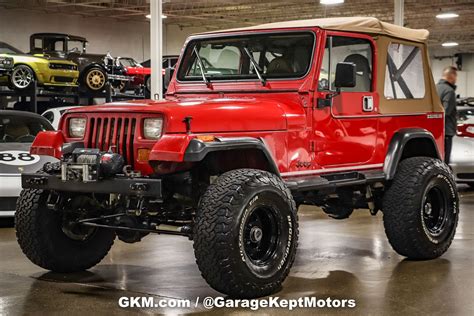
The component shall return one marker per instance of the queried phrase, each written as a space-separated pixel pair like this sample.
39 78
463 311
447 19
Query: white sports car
462 153
53 115
17 132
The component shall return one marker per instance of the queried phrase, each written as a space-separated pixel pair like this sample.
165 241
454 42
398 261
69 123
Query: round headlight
152 128
77 127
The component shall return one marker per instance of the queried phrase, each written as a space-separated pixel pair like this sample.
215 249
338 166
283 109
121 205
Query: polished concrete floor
338 259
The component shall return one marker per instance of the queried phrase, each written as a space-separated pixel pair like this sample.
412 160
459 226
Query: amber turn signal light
206 138
143 154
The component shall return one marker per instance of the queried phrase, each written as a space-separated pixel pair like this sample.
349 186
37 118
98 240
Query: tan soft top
349 24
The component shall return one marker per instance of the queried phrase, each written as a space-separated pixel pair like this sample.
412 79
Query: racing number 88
20 156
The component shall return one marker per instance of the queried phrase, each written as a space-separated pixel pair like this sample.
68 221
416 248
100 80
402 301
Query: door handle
367 103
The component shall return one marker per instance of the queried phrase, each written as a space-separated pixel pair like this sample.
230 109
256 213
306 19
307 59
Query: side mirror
345 78
345 75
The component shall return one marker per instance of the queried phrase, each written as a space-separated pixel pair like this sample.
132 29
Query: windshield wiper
257 68
201 67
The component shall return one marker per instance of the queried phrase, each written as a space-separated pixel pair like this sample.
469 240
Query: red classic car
142 72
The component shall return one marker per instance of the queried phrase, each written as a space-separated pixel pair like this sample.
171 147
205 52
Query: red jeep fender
48 143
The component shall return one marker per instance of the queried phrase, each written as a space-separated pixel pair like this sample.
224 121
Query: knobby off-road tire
246 233
42 239
421 208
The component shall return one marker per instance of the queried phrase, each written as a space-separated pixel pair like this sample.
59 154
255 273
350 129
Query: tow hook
139 187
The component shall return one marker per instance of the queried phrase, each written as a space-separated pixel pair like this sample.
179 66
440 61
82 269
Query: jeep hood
208 115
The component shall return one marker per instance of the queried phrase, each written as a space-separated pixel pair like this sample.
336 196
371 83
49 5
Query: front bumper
131 186
59 78
10 190
463 173
462 159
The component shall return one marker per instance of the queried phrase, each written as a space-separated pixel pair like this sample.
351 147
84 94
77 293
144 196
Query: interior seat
301 59
279 66
363 73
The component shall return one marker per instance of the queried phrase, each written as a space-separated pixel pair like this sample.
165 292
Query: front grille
62 66
63 79
7 203
114 132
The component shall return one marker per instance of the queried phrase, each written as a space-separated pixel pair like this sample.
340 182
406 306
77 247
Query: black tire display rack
29 98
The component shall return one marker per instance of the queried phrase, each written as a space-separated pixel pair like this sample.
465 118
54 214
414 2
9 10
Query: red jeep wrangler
339 113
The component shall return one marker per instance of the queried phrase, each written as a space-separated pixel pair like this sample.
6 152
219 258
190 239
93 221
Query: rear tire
420 209
246 233
95 79
42 239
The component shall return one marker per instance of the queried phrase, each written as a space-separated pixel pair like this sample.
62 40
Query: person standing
446 90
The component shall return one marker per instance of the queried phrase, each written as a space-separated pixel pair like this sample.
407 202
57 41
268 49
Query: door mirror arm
327 101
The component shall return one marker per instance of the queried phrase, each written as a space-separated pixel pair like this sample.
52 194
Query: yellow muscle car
47 72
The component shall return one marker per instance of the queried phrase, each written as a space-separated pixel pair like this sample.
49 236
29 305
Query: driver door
346 131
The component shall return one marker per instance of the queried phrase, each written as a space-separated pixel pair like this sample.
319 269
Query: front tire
43 239
421 208
246 233
22 77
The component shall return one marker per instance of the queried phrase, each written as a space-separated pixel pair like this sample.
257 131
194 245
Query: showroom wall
465 84
120 38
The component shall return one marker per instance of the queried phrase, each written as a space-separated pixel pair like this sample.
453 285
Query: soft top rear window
271 55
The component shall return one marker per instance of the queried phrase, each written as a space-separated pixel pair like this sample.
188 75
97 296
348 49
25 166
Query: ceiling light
148 16
447 15
329 2
450 44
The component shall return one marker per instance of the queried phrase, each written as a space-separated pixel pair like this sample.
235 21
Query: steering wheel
206 63
25 138
276 54
7 138
323 84
74 50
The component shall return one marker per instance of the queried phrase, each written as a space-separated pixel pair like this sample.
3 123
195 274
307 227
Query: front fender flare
198 150
187 148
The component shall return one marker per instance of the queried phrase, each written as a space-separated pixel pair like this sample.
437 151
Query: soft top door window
404 75
346 49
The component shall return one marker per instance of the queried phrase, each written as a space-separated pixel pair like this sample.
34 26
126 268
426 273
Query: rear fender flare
397 146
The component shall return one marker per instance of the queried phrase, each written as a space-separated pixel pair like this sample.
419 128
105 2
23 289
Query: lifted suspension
183 230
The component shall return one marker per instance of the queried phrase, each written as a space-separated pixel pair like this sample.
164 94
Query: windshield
285 55
129 62
76 46
8 49
21 129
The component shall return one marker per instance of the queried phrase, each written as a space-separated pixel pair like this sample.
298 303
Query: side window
404 75
346 49
38 44
59 46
